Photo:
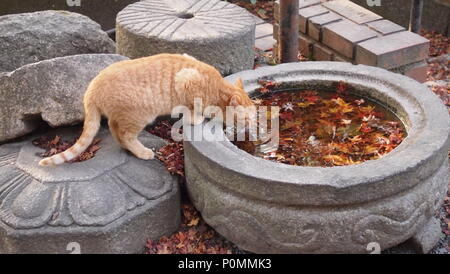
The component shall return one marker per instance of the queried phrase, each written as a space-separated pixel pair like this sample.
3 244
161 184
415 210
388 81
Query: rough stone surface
111 203
435 16
352 11
359 36
268 207
31 37
385 27
344 35
305 45
52 90
265 43
94 9
417 71
340 58
392 51
315 24
306 13
263 30
302 4
427 237
216 32
322 53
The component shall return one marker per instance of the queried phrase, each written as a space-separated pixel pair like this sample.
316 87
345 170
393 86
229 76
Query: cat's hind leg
127 134
114 129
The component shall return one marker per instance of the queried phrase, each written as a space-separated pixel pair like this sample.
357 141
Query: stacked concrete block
340 30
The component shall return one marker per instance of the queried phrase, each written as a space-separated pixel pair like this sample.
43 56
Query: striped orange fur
132 93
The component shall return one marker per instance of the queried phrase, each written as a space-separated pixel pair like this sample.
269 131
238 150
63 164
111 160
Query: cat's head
245 107
240 97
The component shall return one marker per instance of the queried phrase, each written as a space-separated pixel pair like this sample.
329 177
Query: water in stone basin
322 128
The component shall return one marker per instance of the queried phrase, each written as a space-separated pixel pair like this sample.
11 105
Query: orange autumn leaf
193 222
337 129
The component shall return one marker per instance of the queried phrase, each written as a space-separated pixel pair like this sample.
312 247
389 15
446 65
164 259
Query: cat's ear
239 83
234 101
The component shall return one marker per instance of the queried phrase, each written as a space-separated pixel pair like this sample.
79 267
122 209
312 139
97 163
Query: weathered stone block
427 237
308 3
111 203
316 23
418 72
322 53
31 37
94 9
265 43
307 13
302 4
342 36
258 21
305 45
263 30
215 32
352 11
393 50
435 16
340 58
51 90
385 27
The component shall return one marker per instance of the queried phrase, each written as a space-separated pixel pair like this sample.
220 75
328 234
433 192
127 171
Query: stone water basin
268 207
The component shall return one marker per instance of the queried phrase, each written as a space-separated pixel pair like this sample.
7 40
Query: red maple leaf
289 116
341 87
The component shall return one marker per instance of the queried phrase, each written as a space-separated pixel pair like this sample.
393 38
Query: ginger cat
132 93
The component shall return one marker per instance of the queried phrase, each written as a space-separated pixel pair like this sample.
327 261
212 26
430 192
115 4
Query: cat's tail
90 129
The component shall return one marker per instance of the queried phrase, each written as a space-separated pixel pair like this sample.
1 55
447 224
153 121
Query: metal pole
416 15
289 20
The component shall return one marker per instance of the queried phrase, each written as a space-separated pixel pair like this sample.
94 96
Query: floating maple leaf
328 129
341 87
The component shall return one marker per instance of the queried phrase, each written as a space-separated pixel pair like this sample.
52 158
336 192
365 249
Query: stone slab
307 13
302 4
31 37
94 9
305 45
51 91
427 237
385 27
352 11
393 50
265 43
215 32
316 23
343 36
435 17
308 3
322 53
258 21
111 203
263 30
340 58
417 71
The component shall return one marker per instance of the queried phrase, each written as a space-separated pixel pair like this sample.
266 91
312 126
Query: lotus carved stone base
111 203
